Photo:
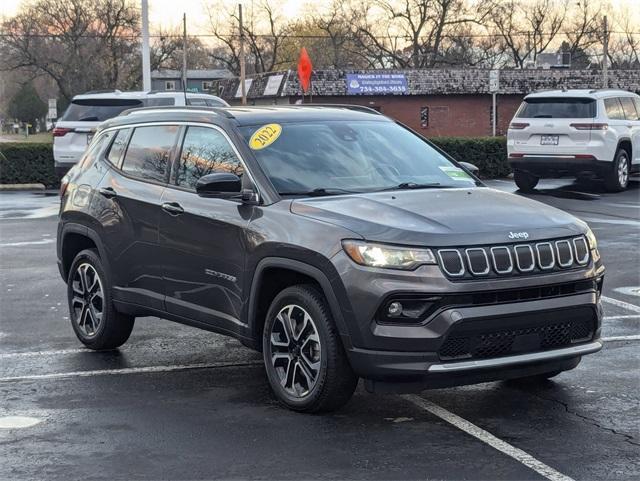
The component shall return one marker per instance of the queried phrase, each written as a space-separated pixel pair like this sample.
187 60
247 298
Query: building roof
440 82
209 74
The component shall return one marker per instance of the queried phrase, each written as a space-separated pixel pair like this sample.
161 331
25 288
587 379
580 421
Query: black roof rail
362 108
104 91
195 108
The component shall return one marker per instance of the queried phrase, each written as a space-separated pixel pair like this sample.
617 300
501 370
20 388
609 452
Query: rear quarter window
557 108
97 110
613 108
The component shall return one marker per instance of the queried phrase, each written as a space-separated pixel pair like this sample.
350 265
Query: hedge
22 163
489 154
27 163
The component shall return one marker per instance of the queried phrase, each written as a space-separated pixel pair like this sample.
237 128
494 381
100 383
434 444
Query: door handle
172 208
108 192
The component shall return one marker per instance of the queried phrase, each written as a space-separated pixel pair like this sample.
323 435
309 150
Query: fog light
394 309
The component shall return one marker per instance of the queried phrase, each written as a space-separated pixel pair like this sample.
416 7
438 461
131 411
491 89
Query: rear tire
618 177
306 364
526 182
94 319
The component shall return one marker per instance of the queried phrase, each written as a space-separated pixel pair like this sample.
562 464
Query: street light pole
242 70
184 57
146 57
605 56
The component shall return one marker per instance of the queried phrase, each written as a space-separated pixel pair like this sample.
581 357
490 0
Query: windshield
557 108
347 156
97 110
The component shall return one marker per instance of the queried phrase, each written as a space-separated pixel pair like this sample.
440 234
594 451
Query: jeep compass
339 243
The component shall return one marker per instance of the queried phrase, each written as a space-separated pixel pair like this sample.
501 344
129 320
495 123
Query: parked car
336 241
576 133
75 129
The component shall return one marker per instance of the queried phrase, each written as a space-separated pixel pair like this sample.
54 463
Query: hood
442 217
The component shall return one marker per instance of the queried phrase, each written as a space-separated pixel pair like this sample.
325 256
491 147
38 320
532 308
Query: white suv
576 133
75 129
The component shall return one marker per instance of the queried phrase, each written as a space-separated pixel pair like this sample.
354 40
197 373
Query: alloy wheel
623 170
295 350
87 303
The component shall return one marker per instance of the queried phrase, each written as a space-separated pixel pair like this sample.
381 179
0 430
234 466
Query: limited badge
265 136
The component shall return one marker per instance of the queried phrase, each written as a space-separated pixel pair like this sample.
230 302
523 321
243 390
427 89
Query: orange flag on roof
305 68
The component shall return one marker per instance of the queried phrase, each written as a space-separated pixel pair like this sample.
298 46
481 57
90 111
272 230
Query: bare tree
79 44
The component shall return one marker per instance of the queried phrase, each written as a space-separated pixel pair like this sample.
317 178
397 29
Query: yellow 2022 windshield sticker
265 136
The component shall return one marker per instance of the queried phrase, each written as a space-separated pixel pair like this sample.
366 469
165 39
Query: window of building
424 117
149 152
629 108
205 151
169 84
613 109
208 85
118 147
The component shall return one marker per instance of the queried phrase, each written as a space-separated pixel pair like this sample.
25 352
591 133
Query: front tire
618 177
94 319
525 181
306 365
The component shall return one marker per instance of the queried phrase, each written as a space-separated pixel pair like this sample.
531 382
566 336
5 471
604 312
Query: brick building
437 102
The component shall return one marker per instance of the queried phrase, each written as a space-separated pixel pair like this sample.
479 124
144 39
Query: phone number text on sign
376 84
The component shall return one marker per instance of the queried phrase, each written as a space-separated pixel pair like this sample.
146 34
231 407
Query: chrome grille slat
552 262
522 258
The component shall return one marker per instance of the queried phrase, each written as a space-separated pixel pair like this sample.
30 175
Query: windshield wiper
414 185
320 191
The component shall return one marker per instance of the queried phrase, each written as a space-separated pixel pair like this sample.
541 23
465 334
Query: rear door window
160 101
613 108
97 110
557 108
629 108
196 101
149 152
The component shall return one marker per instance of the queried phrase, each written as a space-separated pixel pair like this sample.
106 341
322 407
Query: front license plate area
549 139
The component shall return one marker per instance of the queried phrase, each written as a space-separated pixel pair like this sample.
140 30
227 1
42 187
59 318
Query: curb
17 187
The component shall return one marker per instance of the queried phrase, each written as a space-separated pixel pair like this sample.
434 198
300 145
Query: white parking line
622 338
130 370
488 438
625 305
628 316
27 243
43 353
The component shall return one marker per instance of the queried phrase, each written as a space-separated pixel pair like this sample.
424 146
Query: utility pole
242 72
146 58
605 56
184 56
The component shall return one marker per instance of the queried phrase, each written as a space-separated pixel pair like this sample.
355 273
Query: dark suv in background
338 242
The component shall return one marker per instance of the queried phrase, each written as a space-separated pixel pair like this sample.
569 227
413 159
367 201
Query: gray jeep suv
336 241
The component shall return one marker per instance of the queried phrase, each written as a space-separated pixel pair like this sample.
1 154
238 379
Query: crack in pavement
627 437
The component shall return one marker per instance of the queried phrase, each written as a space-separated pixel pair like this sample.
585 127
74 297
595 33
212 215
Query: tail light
61 131
64 183
590 126
518 125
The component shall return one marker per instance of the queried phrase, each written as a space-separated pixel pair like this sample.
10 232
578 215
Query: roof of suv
586 93
247 115
109 94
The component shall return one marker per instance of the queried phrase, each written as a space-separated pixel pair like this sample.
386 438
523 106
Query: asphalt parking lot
180 403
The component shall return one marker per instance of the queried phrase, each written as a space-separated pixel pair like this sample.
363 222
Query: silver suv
74 131
576 133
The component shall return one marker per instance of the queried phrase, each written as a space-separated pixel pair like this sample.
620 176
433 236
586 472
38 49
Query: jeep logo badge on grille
518 235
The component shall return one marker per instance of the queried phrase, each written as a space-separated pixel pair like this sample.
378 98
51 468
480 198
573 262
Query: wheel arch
626 144
75 238
269 279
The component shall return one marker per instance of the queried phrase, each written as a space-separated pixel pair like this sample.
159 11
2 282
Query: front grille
514 259
504 342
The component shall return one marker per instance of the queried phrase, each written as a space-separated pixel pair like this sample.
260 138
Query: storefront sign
376 83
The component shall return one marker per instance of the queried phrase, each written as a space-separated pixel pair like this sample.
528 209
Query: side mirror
220 185
471 168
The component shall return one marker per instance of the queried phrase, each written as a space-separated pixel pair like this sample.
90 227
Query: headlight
593 245
390 257
591 238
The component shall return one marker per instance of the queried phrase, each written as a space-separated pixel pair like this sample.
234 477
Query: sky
165 14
